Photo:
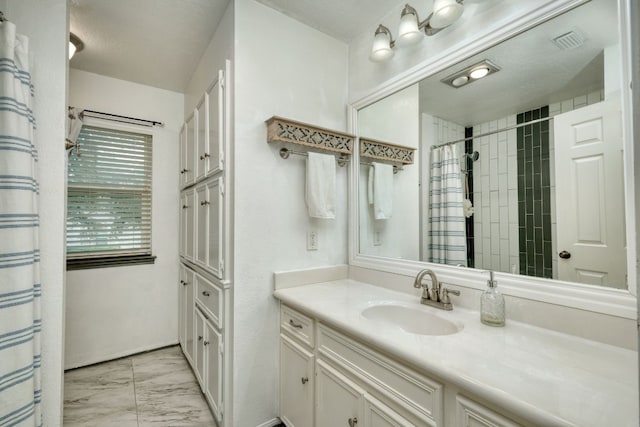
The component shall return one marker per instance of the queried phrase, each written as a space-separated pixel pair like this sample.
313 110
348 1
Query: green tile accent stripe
534 195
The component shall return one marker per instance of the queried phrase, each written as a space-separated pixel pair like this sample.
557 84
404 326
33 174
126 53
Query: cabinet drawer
297 325
210 299
421 396
472 414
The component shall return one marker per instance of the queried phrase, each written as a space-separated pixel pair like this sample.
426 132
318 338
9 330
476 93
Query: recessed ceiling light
459 81
479 73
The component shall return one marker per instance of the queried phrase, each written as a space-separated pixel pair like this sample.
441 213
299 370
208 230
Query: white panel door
215 227
199 343
190 152
189 308
377 414
182 236
590 196
296 384
339 402
183 154
214 370
202 211
202 138
215 115
189 209
182 309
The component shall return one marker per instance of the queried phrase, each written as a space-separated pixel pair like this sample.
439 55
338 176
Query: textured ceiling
153 42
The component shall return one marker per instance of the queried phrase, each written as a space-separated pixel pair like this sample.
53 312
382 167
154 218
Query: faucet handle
444 294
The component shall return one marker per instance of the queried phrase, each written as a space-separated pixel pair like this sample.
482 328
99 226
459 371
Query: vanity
355 354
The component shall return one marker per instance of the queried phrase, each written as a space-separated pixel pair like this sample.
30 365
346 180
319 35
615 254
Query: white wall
46 25
112 312
282 68
394 119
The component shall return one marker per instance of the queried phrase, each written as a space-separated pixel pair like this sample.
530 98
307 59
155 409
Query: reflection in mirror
520 171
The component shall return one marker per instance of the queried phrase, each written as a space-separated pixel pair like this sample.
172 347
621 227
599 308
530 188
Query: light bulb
459 81
445 13
408 31
381 50
479 73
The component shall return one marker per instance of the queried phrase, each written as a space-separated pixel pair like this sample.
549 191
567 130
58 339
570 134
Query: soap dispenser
492 304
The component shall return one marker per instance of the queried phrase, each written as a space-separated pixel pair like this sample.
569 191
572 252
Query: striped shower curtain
447 236
20 321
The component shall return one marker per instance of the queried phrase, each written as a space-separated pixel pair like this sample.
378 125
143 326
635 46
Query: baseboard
270 423
118 355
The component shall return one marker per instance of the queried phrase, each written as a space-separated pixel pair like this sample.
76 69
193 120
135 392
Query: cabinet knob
206 343
204 156
199 337
294 324
205 293
353 421
184 206
305 380
204 203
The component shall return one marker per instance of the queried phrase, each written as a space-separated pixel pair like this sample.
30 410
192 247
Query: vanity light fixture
445 13
75 45
471 74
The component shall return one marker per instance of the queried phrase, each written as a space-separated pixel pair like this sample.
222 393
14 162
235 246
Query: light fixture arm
384 30
423 25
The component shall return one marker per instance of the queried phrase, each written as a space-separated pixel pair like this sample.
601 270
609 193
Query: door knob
564 255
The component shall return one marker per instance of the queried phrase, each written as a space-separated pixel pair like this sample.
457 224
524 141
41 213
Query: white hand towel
370 185
382 191
321 186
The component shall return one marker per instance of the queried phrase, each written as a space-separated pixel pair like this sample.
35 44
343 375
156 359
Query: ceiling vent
570 40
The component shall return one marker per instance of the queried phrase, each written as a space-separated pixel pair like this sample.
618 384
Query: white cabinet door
202 138
183 155
215 98
188 229
209 202
202 211
214 369
377 414
471 414
189 309
296 384
183 224
190 152
182 315
339 402
199 342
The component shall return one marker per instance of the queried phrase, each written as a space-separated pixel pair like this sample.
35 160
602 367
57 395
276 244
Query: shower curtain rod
121 119
519 125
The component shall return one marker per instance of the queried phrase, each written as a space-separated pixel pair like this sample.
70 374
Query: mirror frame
616 302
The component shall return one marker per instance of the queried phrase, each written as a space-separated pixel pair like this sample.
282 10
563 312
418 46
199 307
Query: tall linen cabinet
205 233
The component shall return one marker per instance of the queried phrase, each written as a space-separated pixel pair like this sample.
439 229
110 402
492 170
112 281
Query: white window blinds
109 194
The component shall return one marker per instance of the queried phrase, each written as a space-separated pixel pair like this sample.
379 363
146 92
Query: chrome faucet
436 296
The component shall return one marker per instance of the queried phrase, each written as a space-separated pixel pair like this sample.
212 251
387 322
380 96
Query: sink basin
411 320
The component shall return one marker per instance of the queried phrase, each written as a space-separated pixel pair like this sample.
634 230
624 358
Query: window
109 199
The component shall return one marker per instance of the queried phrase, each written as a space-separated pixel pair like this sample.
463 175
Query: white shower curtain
20 321
447 235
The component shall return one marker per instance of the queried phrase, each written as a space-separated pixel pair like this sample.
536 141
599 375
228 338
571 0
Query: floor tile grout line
135 394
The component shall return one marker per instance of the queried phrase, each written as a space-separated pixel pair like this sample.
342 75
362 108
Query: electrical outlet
312 240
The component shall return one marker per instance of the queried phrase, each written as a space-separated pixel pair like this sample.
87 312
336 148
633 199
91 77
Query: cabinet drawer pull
205 293
206 343
183 283
294 324
204 156
199 337
305 380
204 203
353 421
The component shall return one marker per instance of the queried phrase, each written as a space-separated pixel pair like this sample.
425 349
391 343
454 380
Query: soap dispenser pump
492 304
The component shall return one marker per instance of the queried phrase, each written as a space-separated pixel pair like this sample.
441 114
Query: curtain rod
119 118
519 125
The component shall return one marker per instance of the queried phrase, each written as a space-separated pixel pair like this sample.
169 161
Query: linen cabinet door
202 212
339 402
215 227
199 343
213 382
183 224
190 151
202 138
189 313
296 384
183 155
182 315
188 215
215 115
377 414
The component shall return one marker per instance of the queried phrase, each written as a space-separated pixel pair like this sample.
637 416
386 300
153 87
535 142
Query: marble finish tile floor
156 388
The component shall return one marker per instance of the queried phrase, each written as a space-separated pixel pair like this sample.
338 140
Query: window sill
106 262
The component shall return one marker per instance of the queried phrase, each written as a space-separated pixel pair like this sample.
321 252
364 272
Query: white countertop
546 377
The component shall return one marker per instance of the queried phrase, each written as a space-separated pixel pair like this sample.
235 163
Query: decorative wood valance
302 134
386 151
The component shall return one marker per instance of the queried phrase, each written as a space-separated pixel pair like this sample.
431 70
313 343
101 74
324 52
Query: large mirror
519 171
